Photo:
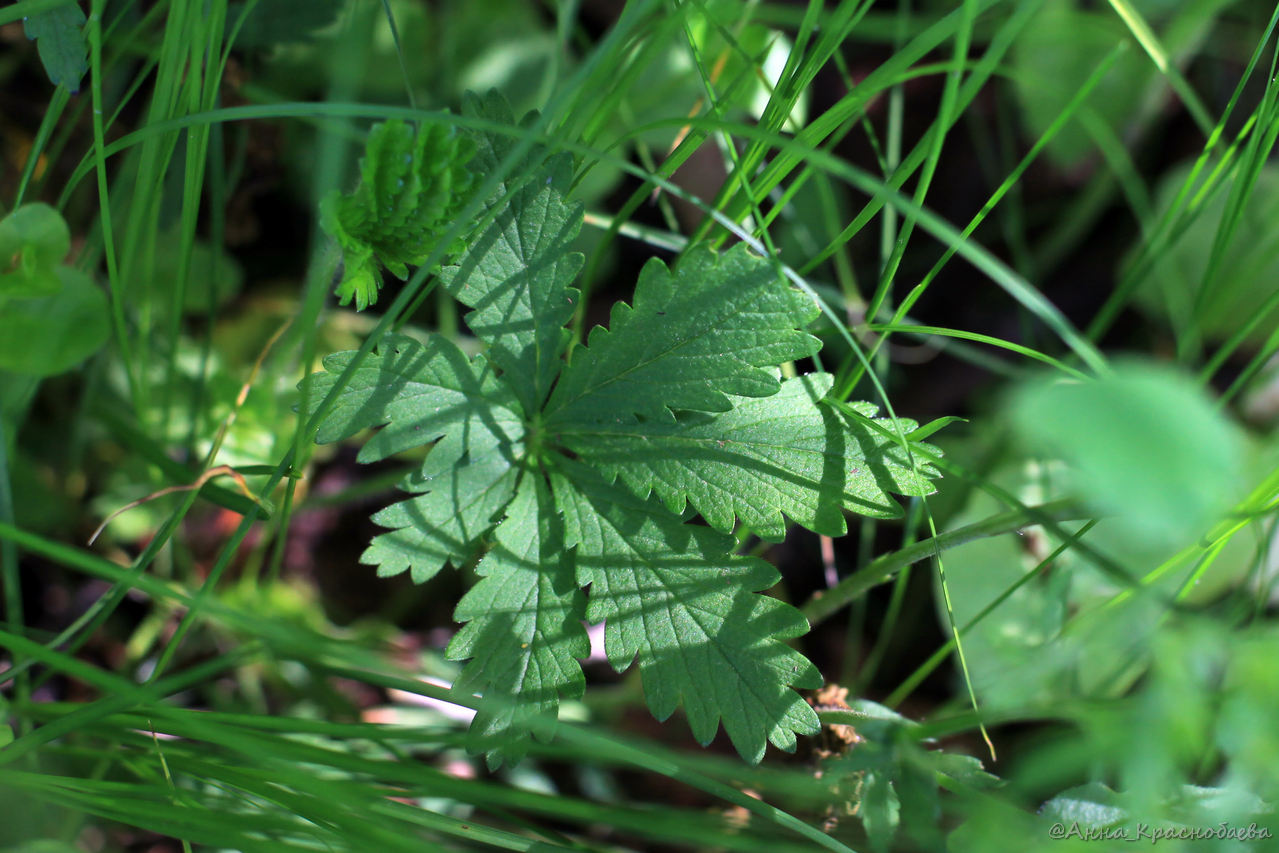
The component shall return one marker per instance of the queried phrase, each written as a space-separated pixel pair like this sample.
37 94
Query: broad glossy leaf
673 596
523 632
768 457
715 327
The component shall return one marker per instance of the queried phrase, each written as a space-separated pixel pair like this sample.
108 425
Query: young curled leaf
412 184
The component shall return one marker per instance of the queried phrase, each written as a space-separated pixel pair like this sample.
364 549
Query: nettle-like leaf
523 634
425 392
516 272
412 183
579 482
787 454
674 595
682 347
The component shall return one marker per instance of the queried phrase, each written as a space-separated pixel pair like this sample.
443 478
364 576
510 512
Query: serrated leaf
422 392
516 275
678 406
788 454
523 632
714 327
412 184
418 390
59 38
444 524
491 149
672 595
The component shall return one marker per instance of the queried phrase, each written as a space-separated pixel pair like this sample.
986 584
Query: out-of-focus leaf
1055 53
1143 444
43 845
213 275
1092 805
59 38
49 335
281 21
1244 279
879 809
33 241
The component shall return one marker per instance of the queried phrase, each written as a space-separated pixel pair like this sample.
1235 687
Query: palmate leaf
672 595
585 474
715 327
422 392
523 629
412 183
788 454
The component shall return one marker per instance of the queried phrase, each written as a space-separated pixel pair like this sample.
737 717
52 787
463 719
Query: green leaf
1059 48
281 21
1218 306
1092 805
879 809
213 276
444 524
768 456
1144 444
523 631
715 327
516 273
43 845
1062 45
418 390
680 399
412 185
673 596
59 38
34 239
52 334
423 392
